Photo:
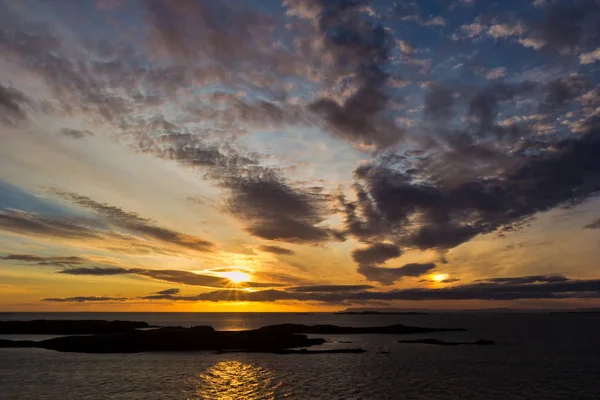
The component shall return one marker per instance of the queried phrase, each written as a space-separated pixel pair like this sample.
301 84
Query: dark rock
443 343
69 327
347 330
201 338
17 343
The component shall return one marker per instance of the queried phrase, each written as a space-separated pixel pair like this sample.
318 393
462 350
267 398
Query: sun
439 277
236 276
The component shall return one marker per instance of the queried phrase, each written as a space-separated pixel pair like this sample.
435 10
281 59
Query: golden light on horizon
236 276
439 277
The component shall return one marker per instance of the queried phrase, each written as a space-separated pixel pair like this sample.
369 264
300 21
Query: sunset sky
228 155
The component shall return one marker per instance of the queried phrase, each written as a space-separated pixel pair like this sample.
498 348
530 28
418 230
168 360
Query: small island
199 338
134 337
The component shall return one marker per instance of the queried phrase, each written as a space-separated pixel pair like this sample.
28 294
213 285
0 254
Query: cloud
39 260
274 210
168 275
506 30
406 47
569 289
75 133
435 21
134 223
26 223
169 291
563 27
329 288
277 250
368 258
438 102
430 215
387 276
261 197
358 48
528 279
593 225
376 254
12 104
496 73
96 271
590 58
559 91
82 299
569 25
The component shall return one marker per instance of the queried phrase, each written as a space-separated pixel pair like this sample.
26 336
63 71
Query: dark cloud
275 210
438 102
561 90
593 225
329 288
169 291
528 279
376 254
219 31
26 223
387 276
228 295
428 215
39 260
261 197
168 275
12 104
96 271
134 223
370 257
478 291
82 299
277 250
75 133
567 26
358 46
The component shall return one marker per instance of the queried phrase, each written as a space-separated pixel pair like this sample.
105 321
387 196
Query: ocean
536 356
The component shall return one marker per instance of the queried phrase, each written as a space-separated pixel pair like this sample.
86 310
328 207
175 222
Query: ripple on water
227 380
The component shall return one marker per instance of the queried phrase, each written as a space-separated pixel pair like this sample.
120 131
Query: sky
226 155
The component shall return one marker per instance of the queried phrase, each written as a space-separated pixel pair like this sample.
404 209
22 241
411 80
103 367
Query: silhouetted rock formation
443 343
348 330
198 338
69 327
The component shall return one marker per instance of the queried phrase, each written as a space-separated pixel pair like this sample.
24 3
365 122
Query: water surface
537 356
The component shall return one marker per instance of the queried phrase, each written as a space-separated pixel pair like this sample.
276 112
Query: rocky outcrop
200 338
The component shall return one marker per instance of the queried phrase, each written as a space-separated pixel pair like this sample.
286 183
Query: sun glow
439 277
236 276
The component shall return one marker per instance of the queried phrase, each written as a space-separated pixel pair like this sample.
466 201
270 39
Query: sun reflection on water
229 380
